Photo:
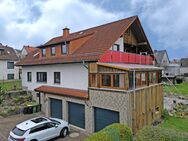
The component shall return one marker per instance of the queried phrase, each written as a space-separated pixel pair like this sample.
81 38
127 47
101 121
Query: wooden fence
146 106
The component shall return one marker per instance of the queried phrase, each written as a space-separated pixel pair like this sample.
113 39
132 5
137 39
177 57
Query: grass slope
180 124
181 89
9 85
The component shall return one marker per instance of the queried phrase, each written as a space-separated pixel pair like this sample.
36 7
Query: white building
8 58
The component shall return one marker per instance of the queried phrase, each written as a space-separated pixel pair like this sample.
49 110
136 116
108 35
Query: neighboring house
162 60
97 76
184 68
26 50
8 58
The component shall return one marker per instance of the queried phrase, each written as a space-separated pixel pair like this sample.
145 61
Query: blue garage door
76 114
56 108
104 117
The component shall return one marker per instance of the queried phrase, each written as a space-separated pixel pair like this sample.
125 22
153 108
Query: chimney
65 32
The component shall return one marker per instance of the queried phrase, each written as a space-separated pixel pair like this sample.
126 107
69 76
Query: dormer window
43 52
64 48
115 47
53 51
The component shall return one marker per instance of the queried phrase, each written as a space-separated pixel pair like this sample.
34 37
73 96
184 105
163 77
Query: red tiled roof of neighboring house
63 91
29 49
7 53
101 39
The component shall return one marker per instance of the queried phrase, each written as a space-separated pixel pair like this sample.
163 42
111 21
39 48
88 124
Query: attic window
64 48
43 52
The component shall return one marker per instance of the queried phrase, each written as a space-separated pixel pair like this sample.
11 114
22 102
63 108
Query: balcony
125 57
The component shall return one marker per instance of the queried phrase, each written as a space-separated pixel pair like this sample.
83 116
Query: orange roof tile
63 91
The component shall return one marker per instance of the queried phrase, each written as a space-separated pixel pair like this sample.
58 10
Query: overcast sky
34 22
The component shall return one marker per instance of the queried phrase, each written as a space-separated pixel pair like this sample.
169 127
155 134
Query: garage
76 114
56 108
104 117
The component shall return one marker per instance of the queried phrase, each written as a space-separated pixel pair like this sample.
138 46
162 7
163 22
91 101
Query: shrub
151 133
113 132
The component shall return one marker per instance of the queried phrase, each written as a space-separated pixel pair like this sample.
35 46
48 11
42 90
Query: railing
124 57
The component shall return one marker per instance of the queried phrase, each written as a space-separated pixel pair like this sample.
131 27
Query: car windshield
55 121
18 131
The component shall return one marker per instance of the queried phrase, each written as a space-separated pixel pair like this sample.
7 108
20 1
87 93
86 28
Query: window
64 49
93 80
112 80
40 128
138 79
53 51
41 76
143 78
150 77
29 76
10 65
18 131
154 77
115 47
57 77
10 76
43 52
106 80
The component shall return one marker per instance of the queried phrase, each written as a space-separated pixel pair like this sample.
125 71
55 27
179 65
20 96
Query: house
97 76
8 58
162 60
170 69
26 50
184 68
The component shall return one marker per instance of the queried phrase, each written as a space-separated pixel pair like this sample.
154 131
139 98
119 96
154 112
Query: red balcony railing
124 57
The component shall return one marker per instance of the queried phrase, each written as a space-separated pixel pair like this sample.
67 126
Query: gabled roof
29 49
159 54
101 39
8 53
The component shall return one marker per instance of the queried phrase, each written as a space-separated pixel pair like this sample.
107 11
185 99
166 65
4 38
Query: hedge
113 132
151 133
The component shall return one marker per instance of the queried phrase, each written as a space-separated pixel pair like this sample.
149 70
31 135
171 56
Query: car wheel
64 132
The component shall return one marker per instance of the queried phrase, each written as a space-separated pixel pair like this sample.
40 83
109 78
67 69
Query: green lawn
180 124
9 85
181 89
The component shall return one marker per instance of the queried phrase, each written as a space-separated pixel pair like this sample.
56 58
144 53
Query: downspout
83 63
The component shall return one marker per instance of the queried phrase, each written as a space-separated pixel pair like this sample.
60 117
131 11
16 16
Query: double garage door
76 114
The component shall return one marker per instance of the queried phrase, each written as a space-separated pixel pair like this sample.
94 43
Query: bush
151 133
113 132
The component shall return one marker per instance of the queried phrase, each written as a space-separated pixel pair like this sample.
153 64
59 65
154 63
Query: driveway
6 124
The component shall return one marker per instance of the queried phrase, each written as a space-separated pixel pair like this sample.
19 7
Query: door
104 117
56 108
76 114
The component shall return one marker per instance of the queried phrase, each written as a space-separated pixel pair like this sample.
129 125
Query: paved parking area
6 124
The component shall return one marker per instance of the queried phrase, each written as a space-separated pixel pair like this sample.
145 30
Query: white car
39 129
